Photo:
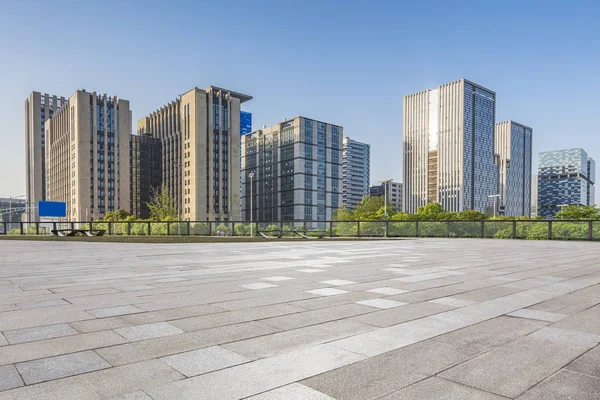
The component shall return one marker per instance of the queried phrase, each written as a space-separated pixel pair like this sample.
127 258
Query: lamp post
562 206
385 214
251 175
495 196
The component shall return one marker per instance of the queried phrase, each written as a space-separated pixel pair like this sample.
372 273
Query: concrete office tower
146 172
87 155
513 156
534 196
356 171
38 108
394 193
565 177
200 136
448 145
297 171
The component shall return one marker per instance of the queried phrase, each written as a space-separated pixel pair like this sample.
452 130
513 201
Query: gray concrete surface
411 319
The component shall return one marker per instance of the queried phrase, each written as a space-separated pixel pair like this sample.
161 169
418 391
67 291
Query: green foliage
579 212
115 216
162 206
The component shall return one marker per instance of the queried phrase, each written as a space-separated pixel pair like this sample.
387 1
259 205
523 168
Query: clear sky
344 62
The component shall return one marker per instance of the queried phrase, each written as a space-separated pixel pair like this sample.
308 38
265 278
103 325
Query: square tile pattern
321 320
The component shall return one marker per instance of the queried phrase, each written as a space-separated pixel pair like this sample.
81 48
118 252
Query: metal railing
504 229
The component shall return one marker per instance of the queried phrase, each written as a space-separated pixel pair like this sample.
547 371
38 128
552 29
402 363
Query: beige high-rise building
38 108
200 135
448 144
87 155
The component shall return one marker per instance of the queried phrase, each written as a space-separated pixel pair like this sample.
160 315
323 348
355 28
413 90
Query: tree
116 216
578 212
432 212
162 206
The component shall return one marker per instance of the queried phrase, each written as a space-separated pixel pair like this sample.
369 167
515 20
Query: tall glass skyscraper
513 156
565 177
356 171
297 171
448 147
245 122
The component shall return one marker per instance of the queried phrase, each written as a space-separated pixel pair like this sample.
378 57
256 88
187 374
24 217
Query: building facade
245 122
512 146
448 148
87 155
534 196
356 160
297 167
38 109
199 134
565 177
146 172
394 193
12 211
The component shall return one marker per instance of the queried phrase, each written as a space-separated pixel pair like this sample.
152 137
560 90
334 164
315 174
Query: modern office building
245 122
146 172
565 177
355 171
12 211
296 168
394 193
87 155
512 147
534 196
448 147
38 108
200 141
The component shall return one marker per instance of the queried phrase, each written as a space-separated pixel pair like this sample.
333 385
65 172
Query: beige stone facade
87 155
38 108
200 135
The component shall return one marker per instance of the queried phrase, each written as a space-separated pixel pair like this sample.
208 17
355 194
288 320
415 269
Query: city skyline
528 98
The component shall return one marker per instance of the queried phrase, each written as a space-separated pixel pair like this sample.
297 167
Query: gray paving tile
452 301
585 321
295 391
255 286
565 385
9 378
514 368
589 363
387 291
540 315
99 385
338 282
440 389
113 311
202 361
42 304
277 278
148 331
47 369
3 341
39 333
381 303
326 292
402 314
257 377
139 395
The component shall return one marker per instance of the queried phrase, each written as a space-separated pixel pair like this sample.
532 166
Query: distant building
565 177
534 196
356 171
87 155
245 122
146 172
394 193
448 148
12 211
38 109
512 146
200 145
297 171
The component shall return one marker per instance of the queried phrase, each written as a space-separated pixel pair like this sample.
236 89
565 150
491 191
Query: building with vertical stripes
356 171
87 155
448 148
38 109
512 146
200 145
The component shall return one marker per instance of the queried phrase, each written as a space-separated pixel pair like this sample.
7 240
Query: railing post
128 228
168 229
387 228
91 227
6 226
72 225
482 229
110 224
417 228
149 229
21 225
448 228
358 228
232 228
53 226
189 226
37 228
549 230
514 229
330 229
590 231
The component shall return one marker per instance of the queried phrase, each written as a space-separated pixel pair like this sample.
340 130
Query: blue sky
348 63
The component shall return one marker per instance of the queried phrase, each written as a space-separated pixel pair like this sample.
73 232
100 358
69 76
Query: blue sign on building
245 122
52 209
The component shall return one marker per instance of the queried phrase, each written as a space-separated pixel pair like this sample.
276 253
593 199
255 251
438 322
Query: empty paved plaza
401 319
